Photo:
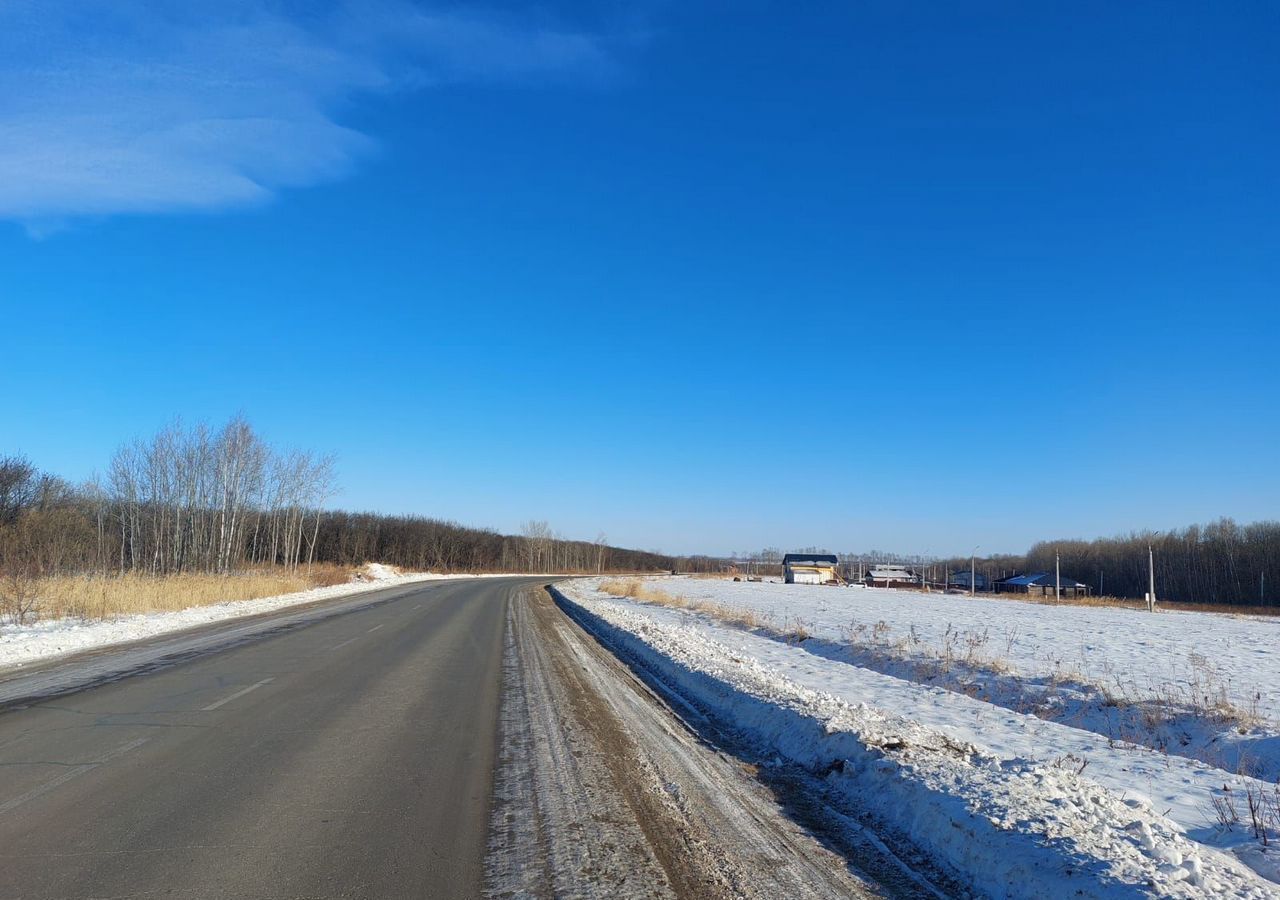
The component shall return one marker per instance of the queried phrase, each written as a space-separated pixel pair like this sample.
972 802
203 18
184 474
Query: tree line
1222 562
421 543
219 500
200 499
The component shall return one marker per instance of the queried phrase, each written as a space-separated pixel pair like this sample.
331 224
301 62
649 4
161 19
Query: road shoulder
601 789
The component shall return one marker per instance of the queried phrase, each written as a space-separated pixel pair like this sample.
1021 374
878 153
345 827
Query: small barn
1042 584
810 568
892 576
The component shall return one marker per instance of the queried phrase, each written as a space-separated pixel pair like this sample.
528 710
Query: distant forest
222 500
1223 562
199 499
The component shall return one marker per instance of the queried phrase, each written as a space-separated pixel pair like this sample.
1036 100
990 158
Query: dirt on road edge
602 791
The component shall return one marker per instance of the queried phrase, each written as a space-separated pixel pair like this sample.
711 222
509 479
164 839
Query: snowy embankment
1019 806
24 644
1198 685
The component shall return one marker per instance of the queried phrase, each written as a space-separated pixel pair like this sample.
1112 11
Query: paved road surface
450 739
349 758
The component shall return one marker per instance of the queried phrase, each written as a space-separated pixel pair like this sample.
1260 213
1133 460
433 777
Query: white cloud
139 106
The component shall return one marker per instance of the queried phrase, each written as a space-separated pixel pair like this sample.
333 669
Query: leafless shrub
19 599
796 632
1071 763
1225 809
1010 638
1260 802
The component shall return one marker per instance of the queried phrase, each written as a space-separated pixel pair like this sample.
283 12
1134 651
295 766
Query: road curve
352 757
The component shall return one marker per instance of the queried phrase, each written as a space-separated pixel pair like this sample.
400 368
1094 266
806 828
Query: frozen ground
24 644
986 788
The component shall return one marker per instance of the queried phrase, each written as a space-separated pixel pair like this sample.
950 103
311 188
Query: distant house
960 580
891 576
810 568
1041 583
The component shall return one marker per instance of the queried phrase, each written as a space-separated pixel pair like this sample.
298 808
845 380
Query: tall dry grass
106 597
636 589
1128 603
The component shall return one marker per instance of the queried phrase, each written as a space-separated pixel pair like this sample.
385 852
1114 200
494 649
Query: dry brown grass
636 589
1128 603
99 597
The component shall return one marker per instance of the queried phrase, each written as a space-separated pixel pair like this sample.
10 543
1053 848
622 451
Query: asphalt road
352 757
452 739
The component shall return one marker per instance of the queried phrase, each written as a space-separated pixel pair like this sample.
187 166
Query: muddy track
602 791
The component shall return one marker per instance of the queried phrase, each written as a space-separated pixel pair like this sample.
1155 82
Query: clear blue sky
704 277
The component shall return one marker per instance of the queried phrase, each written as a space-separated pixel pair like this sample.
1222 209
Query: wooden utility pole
1057 577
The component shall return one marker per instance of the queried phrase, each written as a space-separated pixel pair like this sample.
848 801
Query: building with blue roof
1041 583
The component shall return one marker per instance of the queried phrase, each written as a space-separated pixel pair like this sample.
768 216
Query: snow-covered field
978 727
1202 686
24 644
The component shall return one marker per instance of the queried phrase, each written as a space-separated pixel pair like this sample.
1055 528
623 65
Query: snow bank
379 572
1199 685
1013 826
1134 651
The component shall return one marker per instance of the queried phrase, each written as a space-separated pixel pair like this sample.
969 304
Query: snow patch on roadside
24 644
1014 826
378 572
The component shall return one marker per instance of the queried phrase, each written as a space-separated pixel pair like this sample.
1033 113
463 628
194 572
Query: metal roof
810 559
1040 579
891 572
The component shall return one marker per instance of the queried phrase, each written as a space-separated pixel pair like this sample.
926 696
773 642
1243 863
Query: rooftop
810 559
1040 579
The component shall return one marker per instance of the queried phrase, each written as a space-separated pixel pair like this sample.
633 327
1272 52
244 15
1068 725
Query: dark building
1040 583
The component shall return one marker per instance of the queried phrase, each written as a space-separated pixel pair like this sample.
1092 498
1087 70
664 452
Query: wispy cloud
131 106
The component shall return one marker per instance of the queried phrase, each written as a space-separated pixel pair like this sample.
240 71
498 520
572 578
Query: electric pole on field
1057 577
1151 568
973 570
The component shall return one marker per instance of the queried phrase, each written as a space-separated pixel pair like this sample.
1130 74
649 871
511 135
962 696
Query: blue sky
704 277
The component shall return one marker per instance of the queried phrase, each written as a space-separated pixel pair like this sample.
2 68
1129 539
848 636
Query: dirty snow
1041 807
